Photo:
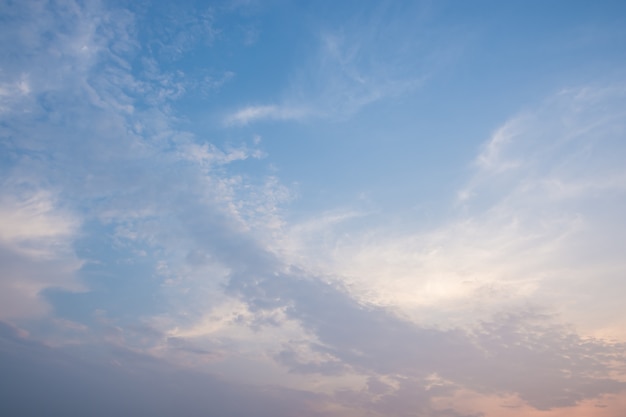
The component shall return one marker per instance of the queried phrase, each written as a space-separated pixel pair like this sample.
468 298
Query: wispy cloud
268 112
353 65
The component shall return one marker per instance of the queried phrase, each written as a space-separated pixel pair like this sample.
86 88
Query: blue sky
316 209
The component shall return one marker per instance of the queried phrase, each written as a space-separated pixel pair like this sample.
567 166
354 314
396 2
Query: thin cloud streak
352 67
255 113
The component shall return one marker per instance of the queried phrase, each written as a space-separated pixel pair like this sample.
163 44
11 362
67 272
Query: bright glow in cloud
521 233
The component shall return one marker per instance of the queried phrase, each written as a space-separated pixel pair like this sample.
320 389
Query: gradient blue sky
331 209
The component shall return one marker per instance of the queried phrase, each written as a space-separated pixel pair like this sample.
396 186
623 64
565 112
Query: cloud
354 66
96 156
345 336
187 258
374 341
553 141
34 225
36 238
490 158
255 113
374 56
39 379
528 239
539 222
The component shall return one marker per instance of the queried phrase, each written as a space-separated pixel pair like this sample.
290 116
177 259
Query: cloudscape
312 209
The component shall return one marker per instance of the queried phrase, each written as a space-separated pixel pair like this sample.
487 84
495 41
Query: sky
313 209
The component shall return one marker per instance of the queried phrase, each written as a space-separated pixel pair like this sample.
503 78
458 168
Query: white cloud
36 238
255 113
539 223
33 226
229 282
490 158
